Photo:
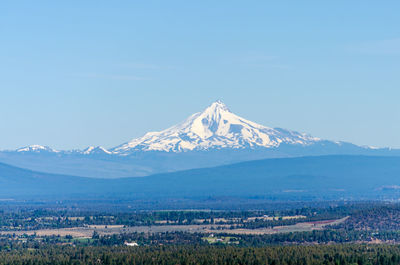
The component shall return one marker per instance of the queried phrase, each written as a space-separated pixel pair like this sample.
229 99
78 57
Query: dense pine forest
282 255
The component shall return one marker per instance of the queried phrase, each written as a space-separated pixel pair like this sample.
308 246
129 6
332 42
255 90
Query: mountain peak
218 105
214 128
217 108
95 150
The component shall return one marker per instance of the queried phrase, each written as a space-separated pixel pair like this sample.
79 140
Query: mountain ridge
212 137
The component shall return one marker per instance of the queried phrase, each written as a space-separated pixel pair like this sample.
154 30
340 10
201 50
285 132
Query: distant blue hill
303 178
318 177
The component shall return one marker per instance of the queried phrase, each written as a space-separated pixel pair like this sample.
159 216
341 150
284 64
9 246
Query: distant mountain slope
332 177
17 182
321 178
95 165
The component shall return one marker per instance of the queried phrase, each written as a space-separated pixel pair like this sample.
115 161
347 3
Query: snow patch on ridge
95 150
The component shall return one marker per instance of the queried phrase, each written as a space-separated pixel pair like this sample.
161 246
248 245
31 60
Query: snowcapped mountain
36 149
210 138
214 128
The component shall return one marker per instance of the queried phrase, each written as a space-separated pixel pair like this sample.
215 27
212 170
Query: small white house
131 244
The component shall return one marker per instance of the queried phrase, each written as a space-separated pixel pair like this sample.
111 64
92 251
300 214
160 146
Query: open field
88 231
299 227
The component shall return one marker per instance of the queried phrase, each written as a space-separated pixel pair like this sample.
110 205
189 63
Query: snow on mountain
95 150
214 128
36 149
45 149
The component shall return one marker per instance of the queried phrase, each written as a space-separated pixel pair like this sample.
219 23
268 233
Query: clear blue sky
83 73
